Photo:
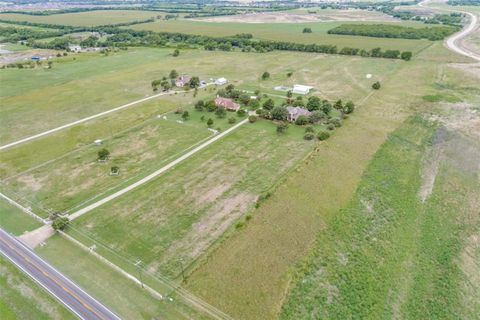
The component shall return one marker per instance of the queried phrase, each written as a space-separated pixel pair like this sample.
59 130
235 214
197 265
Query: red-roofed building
182 81
226 103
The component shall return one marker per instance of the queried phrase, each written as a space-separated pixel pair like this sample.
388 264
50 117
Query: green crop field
291 32
21 298
90 18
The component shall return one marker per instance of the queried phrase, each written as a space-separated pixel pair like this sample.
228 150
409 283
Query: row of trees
393 31
127 37
11 34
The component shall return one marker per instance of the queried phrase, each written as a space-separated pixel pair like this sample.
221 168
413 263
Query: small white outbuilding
221 81
301 89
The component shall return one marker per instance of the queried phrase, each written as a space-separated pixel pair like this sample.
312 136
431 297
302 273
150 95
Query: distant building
295 112
182 81
226 103
221 81
74 48
301 89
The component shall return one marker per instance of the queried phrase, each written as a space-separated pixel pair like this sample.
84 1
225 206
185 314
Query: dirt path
36 237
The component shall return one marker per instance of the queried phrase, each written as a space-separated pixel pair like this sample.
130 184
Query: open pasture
126 299
139 142
181 213
90 18
283 229
290 32
76 177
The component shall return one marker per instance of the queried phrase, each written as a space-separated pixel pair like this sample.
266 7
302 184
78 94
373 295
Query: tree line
394 31
118 37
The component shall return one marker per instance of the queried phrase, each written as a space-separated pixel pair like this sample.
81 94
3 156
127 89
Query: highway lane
67 292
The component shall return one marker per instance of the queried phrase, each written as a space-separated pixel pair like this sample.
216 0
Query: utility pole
180 262
139 268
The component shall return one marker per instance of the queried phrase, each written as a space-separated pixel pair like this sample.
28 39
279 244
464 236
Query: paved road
453 42
154 174
74 298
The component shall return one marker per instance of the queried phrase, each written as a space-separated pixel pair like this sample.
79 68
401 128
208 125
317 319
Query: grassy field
15 221
90 18
34 100
35 176
249 274
117 292
389 254
21 298
283 32
189 207
200 215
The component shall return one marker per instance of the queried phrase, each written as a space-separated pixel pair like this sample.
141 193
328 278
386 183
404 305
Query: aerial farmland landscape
237 159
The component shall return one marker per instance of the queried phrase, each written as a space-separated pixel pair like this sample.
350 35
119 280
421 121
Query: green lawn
90 18
21 298
15 221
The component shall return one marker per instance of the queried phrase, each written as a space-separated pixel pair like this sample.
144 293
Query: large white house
301 89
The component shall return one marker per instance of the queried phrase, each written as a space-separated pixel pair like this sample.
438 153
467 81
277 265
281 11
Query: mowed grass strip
289 32
90 18
180 214
248 275
13 220
21 298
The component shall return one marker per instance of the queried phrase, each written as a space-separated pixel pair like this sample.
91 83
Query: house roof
297 111
226 103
